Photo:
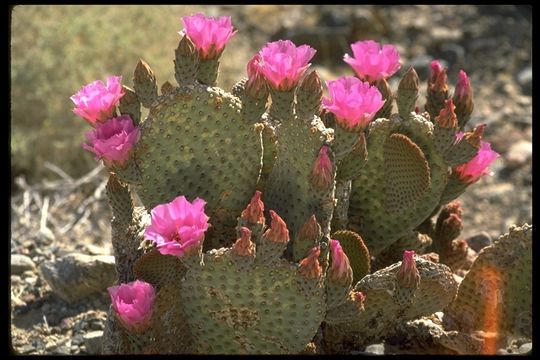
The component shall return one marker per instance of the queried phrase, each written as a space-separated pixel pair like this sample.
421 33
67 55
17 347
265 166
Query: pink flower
408 276
321 172
96 101
352 101
340 269
371 62
208 34
133 303
477 167
283 64
178 227
113 140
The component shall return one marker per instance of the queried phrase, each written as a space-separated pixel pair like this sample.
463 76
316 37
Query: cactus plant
241 199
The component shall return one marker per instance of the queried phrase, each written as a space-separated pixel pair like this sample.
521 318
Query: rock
524 79
76 276
92 341
26 349
62 350
479 241
21 263
518 154
377 349
525 348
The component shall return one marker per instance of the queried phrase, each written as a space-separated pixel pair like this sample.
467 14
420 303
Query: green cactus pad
356 251
406 173
496 294
371 212
257 310
195 143
288 189
159 270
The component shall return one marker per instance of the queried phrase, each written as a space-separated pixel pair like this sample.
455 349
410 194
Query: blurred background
58 202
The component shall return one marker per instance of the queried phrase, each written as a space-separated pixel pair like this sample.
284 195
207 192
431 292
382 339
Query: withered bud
310 230
278 231
474 137
309 266
438 81
447 118
254 212
244 246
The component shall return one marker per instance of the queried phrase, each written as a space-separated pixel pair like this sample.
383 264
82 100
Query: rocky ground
58 306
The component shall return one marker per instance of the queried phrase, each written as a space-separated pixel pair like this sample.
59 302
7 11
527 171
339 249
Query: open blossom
178 227
96 101
321 176
478 166
133 303
340 269
283 63
113 140
371 61
352 101
208 34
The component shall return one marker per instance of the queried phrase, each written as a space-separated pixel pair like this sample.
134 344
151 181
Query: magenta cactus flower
208 34
478 166
353 102
133 304
340 269
283 63
113 140
96 101
321 172
372 62
177 228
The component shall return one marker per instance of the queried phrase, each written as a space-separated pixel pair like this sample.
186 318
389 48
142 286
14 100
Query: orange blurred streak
492 310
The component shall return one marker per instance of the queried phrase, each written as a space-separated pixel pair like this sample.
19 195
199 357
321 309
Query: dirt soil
491 43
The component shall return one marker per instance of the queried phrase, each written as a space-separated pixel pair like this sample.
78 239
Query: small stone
518 154
26 349
16 280
30 280
21 263
62 350
92 341
76 276
525 348
524 79
479 241
377 349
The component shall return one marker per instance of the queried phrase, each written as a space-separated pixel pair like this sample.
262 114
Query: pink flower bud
372 62
133 304
254 212
340 271
322 170
256 84
463 95
283 63
178 227
438 80
96 101
278 231
310 230
359 297
408 276
353 102
113 140
244 246
310 267
208 34
478 166
447 117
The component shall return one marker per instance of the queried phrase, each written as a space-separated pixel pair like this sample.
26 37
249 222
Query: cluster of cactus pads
299 226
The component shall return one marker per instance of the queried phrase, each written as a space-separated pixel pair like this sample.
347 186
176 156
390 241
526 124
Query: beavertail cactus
261 224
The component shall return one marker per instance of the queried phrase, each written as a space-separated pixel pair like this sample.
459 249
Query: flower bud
322 170
309 266
408 275
447 117
244 246
278 231
254 212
